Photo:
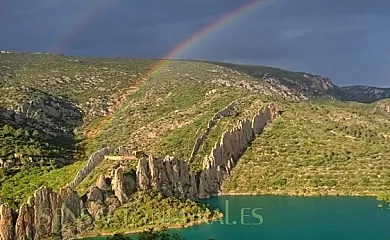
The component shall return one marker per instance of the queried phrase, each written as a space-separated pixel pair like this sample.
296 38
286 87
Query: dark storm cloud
344 39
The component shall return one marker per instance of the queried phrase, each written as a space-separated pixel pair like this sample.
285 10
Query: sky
346 40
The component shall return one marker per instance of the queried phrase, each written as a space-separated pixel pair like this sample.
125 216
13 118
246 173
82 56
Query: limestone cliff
41 217
44 214
6 223
171 176
93 161
225 112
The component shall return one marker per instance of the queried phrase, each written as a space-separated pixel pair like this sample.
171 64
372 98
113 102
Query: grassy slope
165 116
17 188
318 149
90 83
302 151
172 109
81 80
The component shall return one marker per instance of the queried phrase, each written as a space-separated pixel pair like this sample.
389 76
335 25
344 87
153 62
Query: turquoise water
294 218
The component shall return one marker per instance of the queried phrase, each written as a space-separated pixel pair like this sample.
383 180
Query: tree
150 234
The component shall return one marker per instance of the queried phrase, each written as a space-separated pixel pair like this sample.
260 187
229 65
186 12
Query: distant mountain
309 85
363 93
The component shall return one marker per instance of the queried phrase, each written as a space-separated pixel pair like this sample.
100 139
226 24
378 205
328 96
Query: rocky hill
309 86
104 136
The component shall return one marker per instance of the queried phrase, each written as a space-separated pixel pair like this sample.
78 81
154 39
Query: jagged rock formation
122 185
45 213
6 223
224 156
93 161
24 228
42 215
10 117
226 112
171 176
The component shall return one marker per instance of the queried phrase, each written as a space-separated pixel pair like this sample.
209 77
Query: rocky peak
122 185
6 223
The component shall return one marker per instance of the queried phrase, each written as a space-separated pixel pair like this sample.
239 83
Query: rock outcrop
52 116
94 160
71 205
225 154
44 214
226 112
122 185
383 107
6 223
24 228
171 176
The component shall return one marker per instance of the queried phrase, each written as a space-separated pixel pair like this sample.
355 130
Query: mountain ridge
112 104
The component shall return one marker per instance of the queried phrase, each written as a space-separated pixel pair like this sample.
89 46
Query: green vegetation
149 209
18 187
21 146
312 85
318 148
173 108
149 234
91 83
27 161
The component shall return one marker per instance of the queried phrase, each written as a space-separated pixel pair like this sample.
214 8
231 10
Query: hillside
309 85
55 111
318 148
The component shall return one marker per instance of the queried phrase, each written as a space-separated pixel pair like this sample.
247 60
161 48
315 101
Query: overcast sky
347 40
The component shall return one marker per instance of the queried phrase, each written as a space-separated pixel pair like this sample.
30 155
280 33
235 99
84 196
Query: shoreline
327 194
155 227
277 193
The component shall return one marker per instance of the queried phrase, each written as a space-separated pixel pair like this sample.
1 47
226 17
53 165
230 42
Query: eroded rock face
225 112
71 205
143 174
6 223
225 154
122 185
171 175
47 213
43 215
95 203
24 228
94 160
54 113
101 183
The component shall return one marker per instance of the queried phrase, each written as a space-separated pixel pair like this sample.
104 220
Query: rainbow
101 5
159 64
78 25
198 36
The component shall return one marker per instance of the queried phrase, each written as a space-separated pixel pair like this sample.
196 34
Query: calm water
294 218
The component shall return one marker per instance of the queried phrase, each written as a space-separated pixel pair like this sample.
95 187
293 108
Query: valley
283 133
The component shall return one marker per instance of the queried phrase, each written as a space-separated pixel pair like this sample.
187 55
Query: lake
294 218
